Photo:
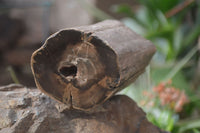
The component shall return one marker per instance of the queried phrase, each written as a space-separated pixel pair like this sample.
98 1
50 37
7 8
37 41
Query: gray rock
24 110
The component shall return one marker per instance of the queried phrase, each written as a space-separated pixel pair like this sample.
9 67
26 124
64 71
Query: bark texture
83 67
24 110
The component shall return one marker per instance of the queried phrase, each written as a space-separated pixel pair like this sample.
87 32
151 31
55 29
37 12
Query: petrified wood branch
83 67
24 110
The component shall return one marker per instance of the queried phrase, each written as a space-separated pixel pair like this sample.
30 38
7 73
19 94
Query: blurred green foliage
172 36
176 40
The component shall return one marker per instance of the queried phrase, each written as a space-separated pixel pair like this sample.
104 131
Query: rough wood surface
24 110
83 67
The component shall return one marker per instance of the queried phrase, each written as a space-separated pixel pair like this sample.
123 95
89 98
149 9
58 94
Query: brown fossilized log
84 66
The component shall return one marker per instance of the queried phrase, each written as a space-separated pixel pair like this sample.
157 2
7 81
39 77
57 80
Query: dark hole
68 71
43 98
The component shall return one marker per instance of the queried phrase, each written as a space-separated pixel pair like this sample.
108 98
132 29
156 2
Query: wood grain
84 66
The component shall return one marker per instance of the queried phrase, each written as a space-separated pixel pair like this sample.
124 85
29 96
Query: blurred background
169 90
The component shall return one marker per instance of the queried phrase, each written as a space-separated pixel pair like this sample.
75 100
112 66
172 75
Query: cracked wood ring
83 67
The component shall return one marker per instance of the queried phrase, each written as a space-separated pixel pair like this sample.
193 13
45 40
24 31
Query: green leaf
134 25
188 125
124 9
196 130
163 5
162 118
178 81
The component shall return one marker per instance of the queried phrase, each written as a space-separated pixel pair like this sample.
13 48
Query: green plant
13 75
175 39
172 36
